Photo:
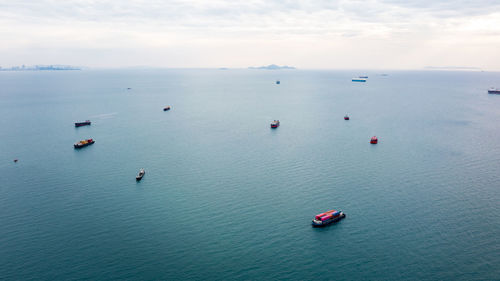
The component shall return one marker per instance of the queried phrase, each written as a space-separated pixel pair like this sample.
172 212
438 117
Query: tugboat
346 117
140 175
374 140
275 124
494 91
166 108
278 82
84 143
84 123
327 218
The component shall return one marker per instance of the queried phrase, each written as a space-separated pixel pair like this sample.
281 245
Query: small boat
374 140
84 143
166 108
275 124
84 123
363 76
140 175
494 91
327 218
346 117
358 79
278 82
15 160
129 88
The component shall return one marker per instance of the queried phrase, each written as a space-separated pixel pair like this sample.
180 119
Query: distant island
40 68
272 67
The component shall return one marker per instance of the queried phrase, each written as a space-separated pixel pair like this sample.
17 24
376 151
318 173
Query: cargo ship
358 79
494 91
140 175
84 123
166 108
327 218
374 140
275 124
346 117
84 143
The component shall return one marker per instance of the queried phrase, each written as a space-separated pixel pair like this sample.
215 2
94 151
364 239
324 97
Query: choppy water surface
225 197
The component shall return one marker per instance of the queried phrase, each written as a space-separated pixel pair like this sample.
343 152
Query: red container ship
275 124
327 218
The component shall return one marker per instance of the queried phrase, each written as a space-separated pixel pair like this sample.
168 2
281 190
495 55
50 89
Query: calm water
225 197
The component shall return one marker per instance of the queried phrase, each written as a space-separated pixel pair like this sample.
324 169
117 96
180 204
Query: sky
307 34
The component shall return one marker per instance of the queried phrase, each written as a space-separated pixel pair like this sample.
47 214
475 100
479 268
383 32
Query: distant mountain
272 67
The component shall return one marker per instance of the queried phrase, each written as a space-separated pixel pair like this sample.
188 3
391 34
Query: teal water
225 197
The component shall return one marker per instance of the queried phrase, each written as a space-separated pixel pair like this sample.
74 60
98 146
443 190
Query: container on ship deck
336 214
324 218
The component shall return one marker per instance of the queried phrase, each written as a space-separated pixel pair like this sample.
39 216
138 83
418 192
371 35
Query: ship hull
328 222
494 92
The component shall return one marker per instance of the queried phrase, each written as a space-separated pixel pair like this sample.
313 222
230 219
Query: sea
225 197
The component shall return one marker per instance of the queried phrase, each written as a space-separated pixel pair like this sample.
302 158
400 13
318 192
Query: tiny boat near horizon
374 140
327 218
140 175
84 123
358 79
166 108
84 143
275 124
494 91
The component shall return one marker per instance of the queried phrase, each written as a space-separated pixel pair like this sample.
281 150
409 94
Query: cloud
138 29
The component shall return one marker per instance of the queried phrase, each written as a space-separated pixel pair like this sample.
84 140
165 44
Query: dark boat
140 175
84 123
374 140
275 124
346 117
327 218
84 143
494 91
278 82
166 108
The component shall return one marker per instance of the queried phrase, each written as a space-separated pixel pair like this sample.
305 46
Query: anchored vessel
84 143
346 117
278 82
84 123
363 76
275 124
140 175
374 140
358 79
166 108
327 218
494 91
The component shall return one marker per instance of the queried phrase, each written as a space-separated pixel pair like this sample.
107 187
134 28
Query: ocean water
225 197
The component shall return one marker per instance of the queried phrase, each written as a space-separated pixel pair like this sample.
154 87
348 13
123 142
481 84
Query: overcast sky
373 34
